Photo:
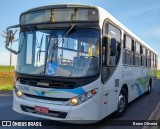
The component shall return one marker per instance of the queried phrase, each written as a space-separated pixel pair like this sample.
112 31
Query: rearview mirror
9 37
12 39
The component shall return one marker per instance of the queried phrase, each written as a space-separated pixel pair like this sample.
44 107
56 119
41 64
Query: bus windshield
55 53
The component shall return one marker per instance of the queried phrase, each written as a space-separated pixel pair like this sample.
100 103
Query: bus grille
50 83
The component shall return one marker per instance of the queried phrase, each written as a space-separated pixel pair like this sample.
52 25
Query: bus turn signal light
93 91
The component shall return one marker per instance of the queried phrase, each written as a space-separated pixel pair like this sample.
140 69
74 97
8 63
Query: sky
142 17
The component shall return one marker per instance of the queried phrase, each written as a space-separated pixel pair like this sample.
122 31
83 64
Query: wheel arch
125 86
150 81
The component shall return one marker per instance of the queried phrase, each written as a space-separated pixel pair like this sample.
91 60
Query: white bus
77 62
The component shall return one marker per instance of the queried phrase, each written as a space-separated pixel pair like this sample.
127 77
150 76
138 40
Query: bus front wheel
122 103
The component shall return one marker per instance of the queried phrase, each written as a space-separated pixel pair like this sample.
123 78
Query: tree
10 64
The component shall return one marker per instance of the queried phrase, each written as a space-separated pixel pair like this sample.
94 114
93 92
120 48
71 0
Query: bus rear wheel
122 103
149 88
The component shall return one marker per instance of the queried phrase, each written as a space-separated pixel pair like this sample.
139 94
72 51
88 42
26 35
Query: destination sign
59 15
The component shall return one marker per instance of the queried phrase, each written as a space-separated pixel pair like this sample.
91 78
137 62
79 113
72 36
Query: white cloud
5 58
153 32
140 10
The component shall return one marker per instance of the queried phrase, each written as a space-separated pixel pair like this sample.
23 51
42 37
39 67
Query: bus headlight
89 95
74 101
82 98
18 92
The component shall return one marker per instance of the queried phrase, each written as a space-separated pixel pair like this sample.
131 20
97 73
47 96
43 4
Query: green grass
6 68
6 87
158 74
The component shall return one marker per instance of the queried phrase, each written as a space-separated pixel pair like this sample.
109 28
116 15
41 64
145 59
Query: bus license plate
41 109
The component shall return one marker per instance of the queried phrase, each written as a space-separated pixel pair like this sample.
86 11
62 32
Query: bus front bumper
86 112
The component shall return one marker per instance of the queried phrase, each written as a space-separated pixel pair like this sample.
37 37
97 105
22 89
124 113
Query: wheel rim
121 103
149 88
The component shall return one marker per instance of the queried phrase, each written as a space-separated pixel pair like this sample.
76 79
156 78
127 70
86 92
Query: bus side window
152 60
148 58
156 61
141 55
128 51
144 56
137 55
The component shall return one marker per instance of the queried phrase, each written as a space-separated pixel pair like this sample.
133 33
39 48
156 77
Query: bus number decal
23 88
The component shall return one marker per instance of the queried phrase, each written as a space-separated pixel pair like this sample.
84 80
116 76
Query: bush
6 77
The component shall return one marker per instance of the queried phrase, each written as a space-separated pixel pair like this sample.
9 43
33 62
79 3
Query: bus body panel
105 102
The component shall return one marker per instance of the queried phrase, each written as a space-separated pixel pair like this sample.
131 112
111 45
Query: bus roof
104 14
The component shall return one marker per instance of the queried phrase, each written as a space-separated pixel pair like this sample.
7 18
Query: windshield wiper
61 38
40 50
33 31
69 30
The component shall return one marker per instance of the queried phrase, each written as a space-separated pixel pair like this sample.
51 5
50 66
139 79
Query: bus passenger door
110 57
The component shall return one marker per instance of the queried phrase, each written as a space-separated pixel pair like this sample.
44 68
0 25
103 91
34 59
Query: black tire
122 103
149 88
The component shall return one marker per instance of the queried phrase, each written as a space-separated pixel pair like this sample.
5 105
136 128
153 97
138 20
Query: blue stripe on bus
38 93
138 89
77 91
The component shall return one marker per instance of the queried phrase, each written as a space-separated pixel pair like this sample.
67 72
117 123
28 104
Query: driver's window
114 32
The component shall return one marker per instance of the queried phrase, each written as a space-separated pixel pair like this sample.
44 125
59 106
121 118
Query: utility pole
10 59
